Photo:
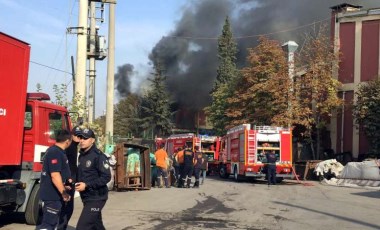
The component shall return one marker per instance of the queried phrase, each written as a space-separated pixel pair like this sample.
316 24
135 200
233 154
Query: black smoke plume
189 52
123 80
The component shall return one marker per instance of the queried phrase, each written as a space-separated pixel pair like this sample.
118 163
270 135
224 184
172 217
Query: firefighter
55 171
188 166
198 161
271 167
93 175
180 160
176 165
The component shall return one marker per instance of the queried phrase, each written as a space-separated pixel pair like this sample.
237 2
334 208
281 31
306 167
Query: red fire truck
210 145
28 127
242 151
173 142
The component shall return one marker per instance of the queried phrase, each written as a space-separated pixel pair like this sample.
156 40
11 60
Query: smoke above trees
188 53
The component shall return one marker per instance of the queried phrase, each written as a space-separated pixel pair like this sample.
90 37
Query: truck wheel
235 174
223 172
33 212
237 177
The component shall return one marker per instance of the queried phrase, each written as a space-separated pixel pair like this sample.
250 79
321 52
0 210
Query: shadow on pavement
330 214
259 181
371 194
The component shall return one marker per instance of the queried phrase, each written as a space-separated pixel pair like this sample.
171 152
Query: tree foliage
318 89
366 112
226 75
156 113
127 116
262 93
77 106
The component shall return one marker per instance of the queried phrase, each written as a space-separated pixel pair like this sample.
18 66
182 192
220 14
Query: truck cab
29 123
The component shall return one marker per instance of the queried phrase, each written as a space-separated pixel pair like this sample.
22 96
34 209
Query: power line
53 69
49 67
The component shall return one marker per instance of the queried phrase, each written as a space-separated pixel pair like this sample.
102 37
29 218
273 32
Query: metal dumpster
133 167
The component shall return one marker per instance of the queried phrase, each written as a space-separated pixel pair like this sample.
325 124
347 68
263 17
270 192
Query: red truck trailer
28 127
242 148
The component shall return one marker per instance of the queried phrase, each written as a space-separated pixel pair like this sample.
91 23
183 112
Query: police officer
72 157
93 175
271 167
188 166
55 171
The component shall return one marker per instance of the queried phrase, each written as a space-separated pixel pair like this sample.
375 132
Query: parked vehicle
28 127
241 153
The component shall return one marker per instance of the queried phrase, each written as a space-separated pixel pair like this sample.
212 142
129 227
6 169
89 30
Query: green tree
226 74
77 106
366 113
155 112
127 116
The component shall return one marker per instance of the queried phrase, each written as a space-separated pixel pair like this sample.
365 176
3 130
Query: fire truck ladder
251 149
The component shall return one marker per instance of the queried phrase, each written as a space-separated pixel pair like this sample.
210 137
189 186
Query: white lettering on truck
3 112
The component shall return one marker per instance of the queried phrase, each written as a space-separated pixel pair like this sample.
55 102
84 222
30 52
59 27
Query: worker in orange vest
161 156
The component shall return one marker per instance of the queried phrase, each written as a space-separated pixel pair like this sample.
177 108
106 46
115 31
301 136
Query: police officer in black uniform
92 178
188 166
55 171
271 167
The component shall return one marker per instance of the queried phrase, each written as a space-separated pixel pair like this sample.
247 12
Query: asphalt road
225 204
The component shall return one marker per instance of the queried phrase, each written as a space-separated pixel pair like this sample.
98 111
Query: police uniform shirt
55 161
94 171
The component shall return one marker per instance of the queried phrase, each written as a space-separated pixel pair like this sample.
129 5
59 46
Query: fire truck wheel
237 177
33 212
223 172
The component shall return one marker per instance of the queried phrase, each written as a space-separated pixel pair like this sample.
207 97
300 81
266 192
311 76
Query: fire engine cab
243 151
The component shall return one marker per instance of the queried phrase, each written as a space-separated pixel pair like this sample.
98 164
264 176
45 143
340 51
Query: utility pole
92 71
80 81
110 73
